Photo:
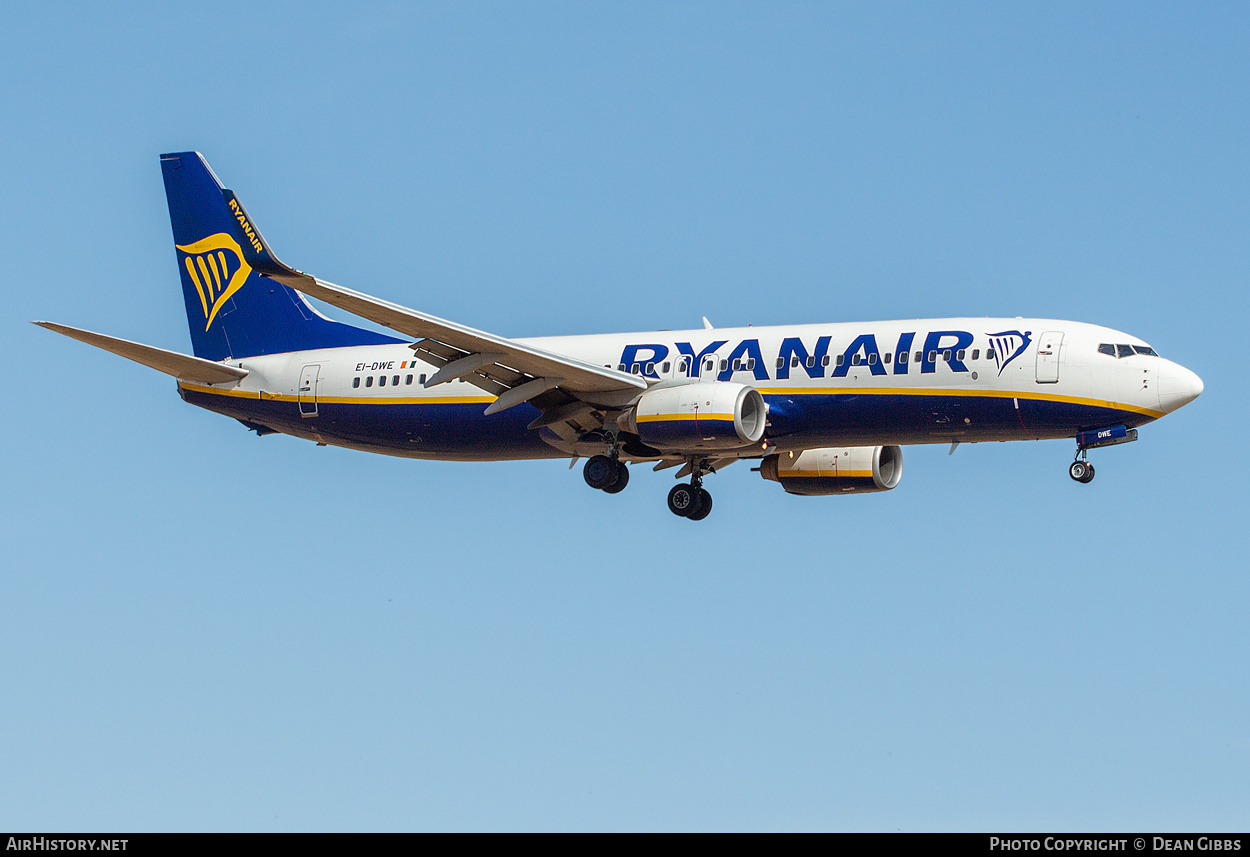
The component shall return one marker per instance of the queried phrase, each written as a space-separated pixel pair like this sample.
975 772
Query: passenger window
751 363
735 365
621 367
989 354
408 380
794 363
369 381
650 369
976 353
422 378
395 381
724 364
824 361
932 356
854 359
667 366
887 357
872 359
919 356
708 366
902 357
811 361
356 381
946 355
960 354
381 380
1124 351
781 361
841 359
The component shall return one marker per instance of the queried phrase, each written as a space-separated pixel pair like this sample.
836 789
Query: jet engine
705 415
835 470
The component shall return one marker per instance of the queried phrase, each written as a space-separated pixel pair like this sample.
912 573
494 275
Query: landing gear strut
691 501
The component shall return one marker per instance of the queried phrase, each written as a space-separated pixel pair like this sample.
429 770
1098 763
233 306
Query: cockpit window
1121 350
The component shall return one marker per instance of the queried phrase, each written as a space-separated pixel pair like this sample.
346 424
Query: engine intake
834 470
706 415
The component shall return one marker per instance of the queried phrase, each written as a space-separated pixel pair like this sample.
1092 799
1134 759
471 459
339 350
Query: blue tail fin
232 309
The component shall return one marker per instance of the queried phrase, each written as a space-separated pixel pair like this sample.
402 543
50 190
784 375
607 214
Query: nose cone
1177 386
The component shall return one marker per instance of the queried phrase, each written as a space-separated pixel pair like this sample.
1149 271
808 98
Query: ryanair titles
905 355
245 226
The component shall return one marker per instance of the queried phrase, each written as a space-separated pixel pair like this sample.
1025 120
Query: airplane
822 408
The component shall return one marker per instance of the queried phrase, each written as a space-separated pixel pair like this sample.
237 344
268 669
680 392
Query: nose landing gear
1081 470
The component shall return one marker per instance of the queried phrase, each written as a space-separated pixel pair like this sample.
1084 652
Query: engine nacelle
835 470
704 415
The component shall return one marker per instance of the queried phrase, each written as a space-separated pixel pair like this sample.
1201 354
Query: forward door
1048 356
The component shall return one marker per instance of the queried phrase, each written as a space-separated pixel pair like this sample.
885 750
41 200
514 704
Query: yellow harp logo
217 268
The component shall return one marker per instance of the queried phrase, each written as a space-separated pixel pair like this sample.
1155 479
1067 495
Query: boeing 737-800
822 408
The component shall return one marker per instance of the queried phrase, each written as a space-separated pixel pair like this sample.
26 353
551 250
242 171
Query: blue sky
205 630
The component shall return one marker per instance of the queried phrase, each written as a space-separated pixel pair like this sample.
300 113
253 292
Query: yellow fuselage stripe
767 391
948 391
337 400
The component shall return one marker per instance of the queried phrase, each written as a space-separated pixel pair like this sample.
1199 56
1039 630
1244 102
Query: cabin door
1048 357
308 390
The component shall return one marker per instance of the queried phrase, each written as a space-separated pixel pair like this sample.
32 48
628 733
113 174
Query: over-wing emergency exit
821 408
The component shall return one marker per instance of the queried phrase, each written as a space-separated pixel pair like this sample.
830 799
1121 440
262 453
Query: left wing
503 367
505 361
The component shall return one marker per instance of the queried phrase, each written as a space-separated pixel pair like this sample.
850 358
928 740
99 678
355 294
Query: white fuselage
962 379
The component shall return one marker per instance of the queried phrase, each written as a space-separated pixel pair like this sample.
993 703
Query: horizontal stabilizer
181 366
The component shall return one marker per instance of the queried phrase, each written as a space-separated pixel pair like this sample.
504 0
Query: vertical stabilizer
232 309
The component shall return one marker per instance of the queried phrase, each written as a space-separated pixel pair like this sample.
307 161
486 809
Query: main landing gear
691 501
608 474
